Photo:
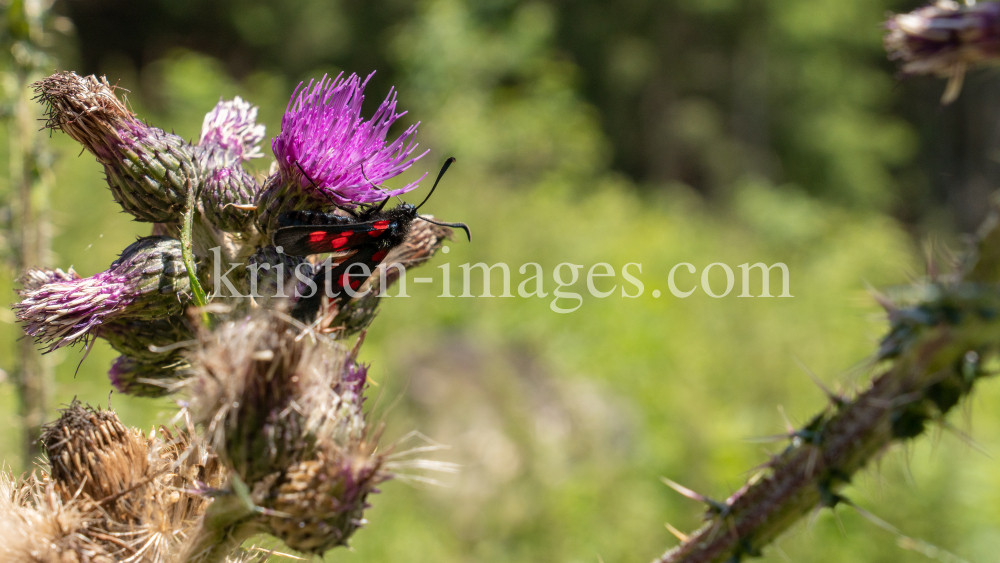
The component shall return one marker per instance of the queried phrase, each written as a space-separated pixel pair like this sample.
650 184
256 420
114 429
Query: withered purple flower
944 40
323 132
148 281
148 169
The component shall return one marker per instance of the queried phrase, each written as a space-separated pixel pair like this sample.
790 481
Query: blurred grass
564 423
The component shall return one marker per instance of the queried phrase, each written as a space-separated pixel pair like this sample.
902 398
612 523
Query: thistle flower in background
147 168
148 281
230 134
944 40
324 135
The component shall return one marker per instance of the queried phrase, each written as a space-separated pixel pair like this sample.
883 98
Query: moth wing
304 240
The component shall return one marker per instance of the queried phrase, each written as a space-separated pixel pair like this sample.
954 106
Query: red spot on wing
346 281
341 241
378 227
378 256
317 236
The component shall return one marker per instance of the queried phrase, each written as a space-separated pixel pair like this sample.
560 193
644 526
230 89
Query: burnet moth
368 235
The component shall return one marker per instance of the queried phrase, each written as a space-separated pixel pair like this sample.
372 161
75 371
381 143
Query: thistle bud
230 135
143 377
149 340
148 281
225 189
147 168
322 501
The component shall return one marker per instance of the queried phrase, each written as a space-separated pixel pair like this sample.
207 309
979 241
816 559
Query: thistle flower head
92 452
232 127
323 133
87 109
283 408
148 281
147 168
944 39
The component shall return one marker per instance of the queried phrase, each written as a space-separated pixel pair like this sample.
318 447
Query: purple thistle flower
323 132
231 131
146 282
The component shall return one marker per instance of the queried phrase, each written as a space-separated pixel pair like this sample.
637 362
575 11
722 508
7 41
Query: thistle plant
271 437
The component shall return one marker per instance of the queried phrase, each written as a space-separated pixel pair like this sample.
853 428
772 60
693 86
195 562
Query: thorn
714 505
789 427
881 298
969 441
836 399
677 533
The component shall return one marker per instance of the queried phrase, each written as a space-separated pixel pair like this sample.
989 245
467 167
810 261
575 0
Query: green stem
199 294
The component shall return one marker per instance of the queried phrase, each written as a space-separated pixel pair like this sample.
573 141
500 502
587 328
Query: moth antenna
324 194
381 205
444 169
462 226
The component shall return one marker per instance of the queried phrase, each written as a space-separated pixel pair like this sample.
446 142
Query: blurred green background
643 131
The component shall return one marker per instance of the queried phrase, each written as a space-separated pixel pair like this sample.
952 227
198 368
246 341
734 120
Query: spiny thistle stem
932 358
199 294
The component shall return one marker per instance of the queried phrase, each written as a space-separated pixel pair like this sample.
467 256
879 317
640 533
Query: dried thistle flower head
148 169
113 495
945 39
91 452
148 281
36 526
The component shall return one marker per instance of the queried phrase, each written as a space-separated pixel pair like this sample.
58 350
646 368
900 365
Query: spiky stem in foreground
932 358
